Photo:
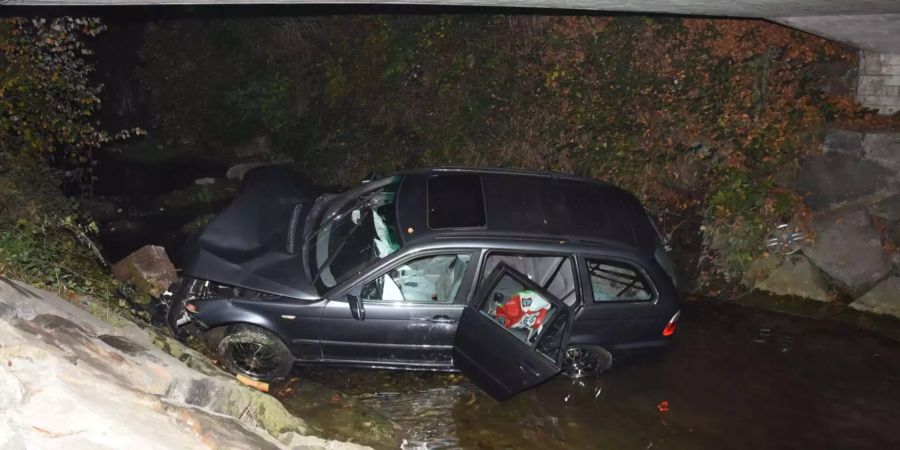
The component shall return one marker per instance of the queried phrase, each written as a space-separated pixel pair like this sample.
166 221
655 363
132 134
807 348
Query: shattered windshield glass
357 230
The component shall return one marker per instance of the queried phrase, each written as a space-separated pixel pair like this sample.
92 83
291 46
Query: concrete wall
879 81
878 38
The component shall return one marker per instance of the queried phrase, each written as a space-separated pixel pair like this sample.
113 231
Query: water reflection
738 378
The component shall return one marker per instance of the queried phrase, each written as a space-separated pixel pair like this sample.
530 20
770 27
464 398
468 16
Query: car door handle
441 319
527 367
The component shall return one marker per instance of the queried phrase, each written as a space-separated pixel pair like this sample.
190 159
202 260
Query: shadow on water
738 378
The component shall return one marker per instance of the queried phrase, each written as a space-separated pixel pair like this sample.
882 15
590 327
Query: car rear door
512 336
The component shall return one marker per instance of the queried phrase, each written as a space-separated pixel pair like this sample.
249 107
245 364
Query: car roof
522 204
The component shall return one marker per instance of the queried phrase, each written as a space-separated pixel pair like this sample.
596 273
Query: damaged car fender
296 323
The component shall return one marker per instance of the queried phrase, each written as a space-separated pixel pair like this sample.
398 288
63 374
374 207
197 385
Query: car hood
257 241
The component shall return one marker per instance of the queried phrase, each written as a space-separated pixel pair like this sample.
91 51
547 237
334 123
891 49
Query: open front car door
512 336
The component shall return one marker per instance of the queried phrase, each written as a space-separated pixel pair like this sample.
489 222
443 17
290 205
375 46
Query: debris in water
785 343
765 334
259 385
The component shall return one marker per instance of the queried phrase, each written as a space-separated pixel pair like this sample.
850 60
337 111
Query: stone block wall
879 81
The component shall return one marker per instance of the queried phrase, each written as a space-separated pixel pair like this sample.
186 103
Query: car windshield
359 228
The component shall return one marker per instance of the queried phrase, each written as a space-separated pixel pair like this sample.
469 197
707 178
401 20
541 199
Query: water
738 378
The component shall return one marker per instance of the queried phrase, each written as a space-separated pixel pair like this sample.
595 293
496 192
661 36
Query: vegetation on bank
704 119
48 122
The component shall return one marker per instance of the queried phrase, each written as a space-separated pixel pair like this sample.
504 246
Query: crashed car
507 276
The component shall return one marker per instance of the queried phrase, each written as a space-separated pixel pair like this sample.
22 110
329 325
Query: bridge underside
873 26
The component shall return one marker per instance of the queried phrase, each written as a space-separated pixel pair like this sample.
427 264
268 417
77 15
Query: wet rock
883 148
195 225
884 298
842 141
892 237
848 250
796 277
237 171
837 177
260 146
205 181
148 268
887 209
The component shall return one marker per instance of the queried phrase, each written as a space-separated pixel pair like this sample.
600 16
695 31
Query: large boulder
797 277
148 268
71 380
848 250
883 148
887 209
237 171
888 212
257 147
838 177
884 298
842 141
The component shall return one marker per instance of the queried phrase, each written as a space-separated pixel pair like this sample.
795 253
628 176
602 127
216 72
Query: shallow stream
738 378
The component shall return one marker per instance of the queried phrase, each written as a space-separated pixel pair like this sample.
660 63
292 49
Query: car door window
430 279
554 273
528 312
614 281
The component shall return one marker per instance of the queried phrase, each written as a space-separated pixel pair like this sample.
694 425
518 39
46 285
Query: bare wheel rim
253 359
581 362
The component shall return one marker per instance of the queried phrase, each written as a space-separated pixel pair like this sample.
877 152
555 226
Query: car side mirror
356 307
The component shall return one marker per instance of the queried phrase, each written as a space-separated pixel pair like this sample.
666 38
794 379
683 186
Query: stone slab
842 141
848 249
796 277
883 148
837 177
884 298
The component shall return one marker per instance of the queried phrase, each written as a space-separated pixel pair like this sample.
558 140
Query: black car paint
253 243
320 329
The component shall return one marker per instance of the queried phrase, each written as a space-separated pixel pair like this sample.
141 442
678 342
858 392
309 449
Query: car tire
581 361
255 353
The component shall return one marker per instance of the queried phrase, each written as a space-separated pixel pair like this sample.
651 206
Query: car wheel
255 353
584 360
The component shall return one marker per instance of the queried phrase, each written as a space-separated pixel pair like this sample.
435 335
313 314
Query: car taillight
672 325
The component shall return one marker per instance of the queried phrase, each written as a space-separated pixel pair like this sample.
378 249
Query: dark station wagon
507 276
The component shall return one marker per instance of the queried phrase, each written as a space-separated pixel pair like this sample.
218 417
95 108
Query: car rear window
455 201
614 281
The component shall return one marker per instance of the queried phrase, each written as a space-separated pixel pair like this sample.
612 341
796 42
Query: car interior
614 281
428 279
553 273
519 310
